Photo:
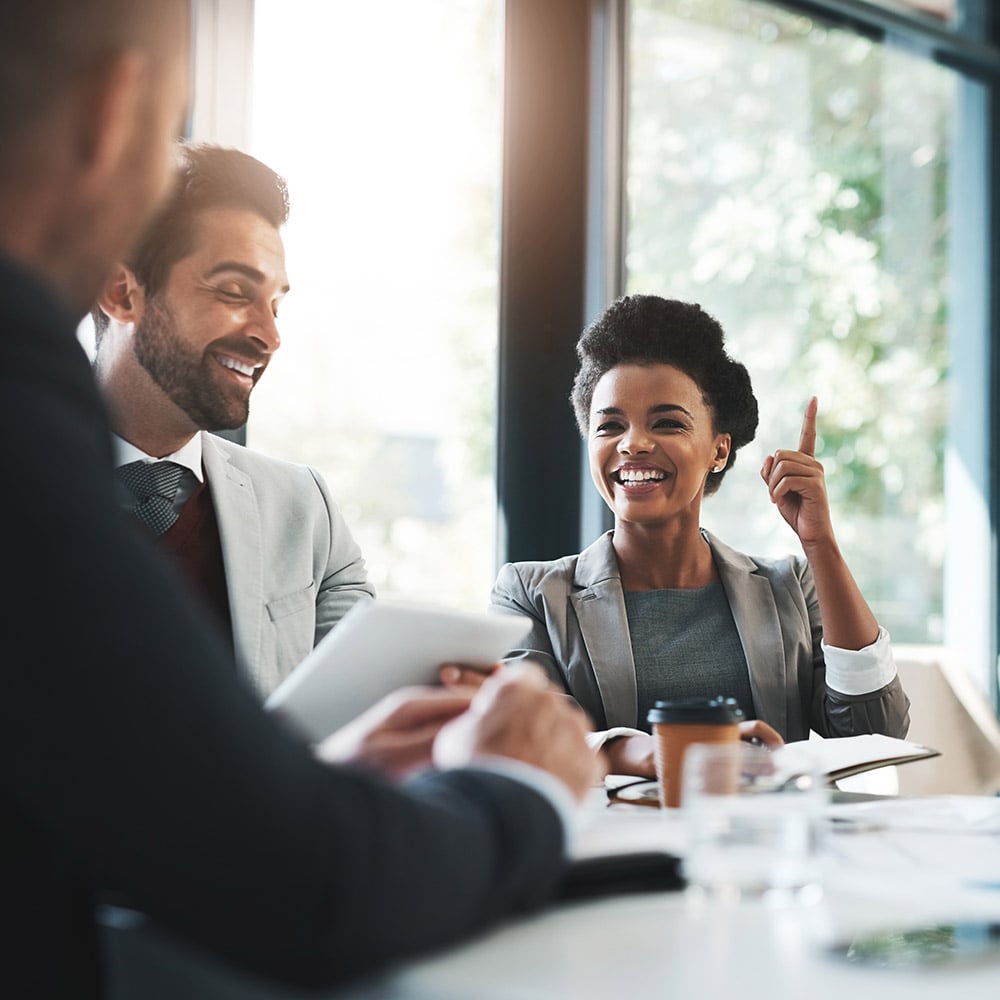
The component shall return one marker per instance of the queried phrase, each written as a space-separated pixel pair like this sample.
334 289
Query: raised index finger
807 439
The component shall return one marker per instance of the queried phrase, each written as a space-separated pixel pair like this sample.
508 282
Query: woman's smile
638 480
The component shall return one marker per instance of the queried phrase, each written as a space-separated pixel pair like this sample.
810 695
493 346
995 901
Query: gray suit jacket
292 567
580 634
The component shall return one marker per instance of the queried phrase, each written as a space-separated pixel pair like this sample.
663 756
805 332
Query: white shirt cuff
596 740
860 671
554 791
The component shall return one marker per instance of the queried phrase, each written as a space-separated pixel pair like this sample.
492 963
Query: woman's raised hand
797 485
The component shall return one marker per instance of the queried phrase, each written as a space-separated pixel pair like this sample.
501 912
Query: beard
186 376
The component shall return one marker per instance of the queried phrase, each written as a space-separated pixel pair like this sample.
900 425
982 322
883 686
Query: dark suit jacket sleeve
134 758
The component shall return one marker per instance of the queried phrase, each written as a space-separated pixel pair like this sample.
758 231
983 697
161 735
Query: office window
794 179
943 10
385 119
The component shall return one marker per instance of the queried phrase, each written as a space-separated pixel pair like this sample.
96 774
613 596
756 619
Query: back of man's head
208 177
48 47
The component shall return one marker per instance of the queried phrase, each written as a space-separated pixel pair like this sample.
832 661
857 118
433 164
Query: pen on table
847 824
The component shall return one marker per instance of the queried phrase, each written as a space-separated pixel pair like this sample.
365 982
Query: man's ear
123 298
109 116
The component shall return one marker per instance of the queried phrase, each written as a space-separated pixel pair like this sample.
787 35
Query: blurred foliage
919 947
793 179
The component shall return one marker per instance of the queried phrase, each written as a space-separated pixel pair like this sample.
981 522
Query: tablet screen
379 646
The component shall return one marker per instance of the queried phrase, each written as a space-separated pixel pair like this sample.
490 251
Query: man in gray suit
185 328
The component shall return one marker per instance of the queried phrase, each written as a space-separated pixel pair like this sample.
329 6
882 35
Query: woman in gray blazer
660 608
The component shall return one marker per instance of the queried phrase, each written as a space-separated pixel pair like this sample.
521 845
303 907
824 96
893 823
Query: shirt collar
189 456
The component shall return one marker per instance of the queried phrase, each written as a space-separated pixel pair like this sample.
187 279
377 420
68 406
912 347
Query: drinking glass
754 821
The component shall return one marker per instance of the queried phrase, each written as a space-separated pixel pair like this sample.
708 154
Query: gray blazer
580 635
292 567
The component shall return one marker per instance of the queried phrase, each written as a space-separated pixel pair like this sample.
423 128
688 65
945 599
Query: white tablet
379 646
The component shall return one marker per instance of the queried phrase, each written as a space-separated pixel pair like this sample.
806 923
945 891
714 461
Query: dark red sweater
193 540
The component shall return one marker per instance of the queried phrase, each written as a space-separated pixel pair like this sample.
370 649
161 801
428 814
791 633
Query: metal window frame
967 46
542 275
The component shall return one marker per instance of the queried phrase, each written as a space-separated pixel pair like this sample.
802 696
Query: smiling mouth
638 477
248 371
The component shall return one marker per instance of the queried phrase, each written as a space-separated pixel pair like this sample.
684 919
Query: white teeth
640 475
237 366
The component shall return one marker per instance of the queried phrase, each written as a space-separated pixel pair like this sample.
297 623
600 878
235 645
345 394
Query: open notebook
843 756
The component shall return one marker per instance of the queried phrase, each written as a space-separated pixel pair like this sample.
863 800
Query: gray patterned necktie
153 484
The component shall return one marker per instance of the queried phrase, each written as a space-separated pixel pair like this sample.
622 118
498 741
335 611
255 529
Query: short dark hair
208 177
648 330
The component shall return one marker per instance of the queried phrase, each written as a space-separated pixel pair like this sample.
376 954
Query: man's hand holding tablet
519 714
396 736
515 713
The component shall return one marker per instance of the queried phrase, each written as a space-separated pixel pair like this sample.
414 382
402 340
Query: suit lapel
756 615
242 554
600 610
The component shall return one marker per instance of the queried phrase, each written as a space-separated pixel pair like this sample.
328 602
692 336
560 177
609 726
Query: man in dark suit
134 759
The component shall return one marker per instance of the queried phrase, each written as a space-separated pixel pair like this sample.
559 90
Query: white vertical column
223 71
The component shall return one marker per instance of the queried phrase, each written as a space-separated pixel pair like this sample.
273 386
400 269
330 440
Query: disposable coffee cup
682 722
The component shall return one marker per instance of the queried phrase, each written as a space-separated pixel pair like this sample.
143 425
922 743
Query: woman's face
651 443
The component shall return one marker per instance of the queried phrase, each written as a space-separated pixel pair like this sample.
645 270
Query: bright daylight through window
385 380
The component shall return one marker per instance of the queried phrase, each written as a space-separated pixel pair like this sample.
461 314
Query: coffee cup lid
719 711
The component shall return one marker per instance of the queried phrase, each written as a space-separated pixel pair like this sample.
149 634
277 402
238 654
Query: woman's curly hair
649 330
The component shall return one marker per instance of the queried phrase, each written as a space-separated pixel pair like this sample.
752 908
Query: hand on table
396 736
517 713
797 485
632 755
754 730
636 754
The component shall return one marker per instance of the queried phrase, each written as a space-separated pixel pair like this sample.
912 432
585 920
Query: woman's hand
635 754
631 755
797 485
760 732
